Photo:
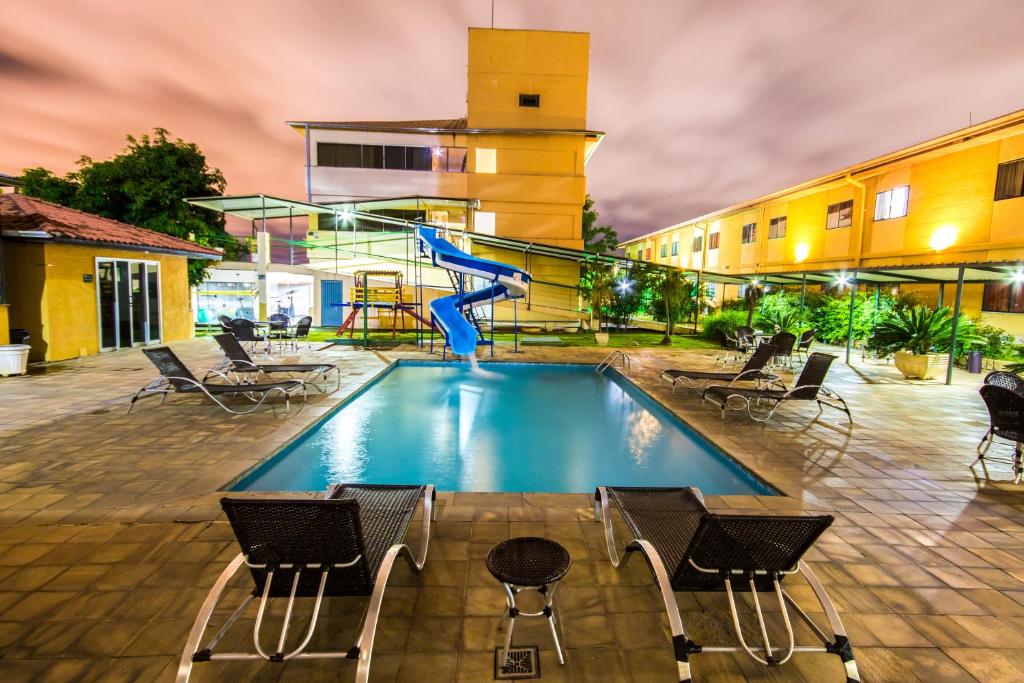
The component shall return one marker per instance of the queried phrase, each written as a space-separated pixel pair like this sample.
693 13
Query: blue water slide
506 282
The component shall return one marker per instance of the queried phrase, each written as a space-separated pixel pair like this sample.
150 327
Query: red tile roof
20 213
418 125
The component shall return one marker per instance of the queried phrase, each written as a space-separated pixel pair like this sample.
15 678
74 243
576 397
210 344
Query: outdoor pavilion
938 275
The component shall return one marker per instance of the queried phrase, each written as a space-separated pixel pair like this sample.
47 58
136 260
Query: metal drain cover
522 662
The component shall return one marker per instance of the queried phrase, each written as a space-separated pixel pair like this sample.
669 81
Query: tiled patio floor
110 535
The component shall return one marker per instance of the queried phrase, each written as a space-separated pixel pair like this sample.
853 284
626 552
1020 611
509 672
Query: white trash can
14 359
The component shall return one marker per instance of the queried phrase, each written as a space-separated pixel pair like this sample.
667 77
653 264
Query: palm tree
752 294
673 289
602 282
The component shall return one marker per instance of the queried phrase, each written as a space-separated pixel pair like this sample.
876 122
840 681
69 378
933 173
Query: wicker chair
343 545
278 325
752 371
1006 420
690 549
239 362
809 387
784 341
734 347
176 378
301 332
225 323
1007 380
245 331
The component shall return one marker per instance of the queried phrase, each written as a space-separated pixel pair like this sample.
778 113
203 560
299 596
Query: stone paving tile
110 535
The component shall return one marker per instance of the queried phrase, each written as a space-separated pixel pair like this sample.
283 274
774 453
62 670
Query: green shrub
921 330
997 342
723 323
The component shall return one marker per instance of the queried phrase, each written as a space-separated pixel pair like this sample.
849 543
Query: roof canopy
259 206
892 275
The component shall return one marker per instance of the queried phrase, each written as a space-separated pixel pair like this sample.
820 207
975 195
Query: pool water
505 427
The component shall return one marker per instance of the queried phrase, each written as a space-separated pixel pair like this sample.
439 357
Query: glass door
128 296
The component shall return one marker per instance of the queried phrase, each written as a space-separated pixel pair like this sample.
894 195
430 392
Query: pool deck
111 534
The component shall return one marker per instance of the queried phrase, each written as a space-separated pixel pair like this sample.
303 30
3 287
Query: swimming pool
505 427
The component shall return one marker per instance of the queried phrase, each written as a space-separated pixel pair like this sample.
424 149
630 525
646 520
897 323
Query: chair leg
191 652
841 646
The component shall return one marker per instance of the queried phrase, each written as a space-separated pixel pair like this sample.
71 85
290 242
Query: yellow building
80 284
912 217
513 167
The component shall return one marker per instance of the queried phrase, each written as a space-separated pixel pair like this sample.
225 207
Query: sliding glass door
128 295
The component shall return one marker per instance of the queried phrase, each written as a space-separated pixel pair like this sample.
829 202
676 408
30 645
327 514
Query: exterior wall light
943 238
1018 276
802 252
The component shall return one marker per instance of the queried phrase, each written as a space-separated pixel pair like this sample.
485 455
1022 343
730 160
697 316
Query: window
647 254
892 203
777 228
1010 180
710 290
840 215
391 157
529 100
1003 297
749 233
713 240
698 243
664 250
675 248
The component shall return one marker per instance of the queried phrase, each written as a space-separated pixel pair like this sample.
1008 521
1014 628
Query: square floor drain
522 662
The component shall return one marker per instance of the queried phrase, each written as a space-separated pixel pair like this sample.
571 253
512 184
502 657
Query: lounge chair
1007 380
241 363
803 345
784 341
343 545
691 549
225 323
1006 420
752 371
809 387
176 378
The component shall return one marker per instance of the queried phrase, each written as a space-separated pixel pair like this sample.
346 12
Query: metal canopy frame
968 272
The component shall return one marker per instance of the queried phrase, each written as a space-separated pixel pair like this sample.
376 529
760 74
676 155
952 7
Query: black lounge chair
241 363
1007 380
225 323
784 341
1006 420
343 545
803 345
809 387
752 371
690 549
176 378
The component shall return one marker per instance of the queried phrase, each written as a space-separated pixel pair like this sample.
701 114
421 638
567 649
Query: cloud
705 104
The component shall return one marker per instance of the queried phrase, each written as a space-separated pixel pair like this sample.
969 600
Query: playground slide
507 282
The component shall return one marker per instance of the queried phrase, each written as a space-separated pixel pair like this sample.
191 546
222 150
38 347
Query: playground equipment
380 299
454 313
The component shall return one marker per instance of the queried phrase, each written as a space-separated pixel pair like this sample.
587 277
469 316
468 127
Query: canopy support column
697 297
849 329
262 259
803 295
942 291
956 324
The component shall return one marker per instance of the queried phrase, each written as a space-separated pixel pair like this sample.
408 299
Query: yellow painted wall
5 331
49 297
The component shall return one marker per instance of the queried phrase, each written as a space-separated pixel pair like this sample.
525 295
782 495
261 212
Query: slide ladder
454 314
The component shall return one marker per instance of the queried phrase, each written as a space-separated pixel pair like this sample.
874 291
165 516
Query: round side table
530 563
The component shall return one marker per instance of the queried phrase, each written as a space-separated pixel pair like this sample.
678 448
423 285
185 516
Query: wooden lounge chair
176 378
691 549
752 371
343 545
1006 420
241 363
761 404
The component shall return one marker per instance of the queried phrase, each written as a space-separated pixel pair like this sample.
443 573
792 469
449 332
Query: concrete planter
14 359
601 338
920 366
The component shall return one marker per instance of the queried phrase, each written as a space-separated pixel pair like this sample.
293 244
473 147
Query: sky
705 103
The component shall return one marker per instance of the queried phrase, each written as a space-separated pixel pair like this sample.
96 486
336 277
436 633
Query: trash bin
974 362
19 335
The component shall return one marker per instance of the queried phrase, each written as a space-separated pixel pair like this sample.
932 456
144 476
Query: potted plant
600 295
919 339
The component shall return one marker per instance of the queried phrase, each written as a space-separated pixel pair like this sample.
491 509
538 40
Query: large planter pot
14 359
601 338
920 366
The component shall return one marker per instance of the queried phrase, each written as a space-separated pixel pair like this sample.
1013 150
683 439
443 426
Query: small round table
530 563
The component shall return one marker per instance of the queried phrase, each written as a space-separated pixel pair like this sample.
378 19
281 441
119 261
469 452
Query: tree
599 293
146 185
751 295
597 238
671 294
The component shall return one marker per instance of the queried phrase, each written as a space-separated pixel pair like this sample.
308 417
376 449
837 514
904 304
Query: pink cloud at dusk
705 103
